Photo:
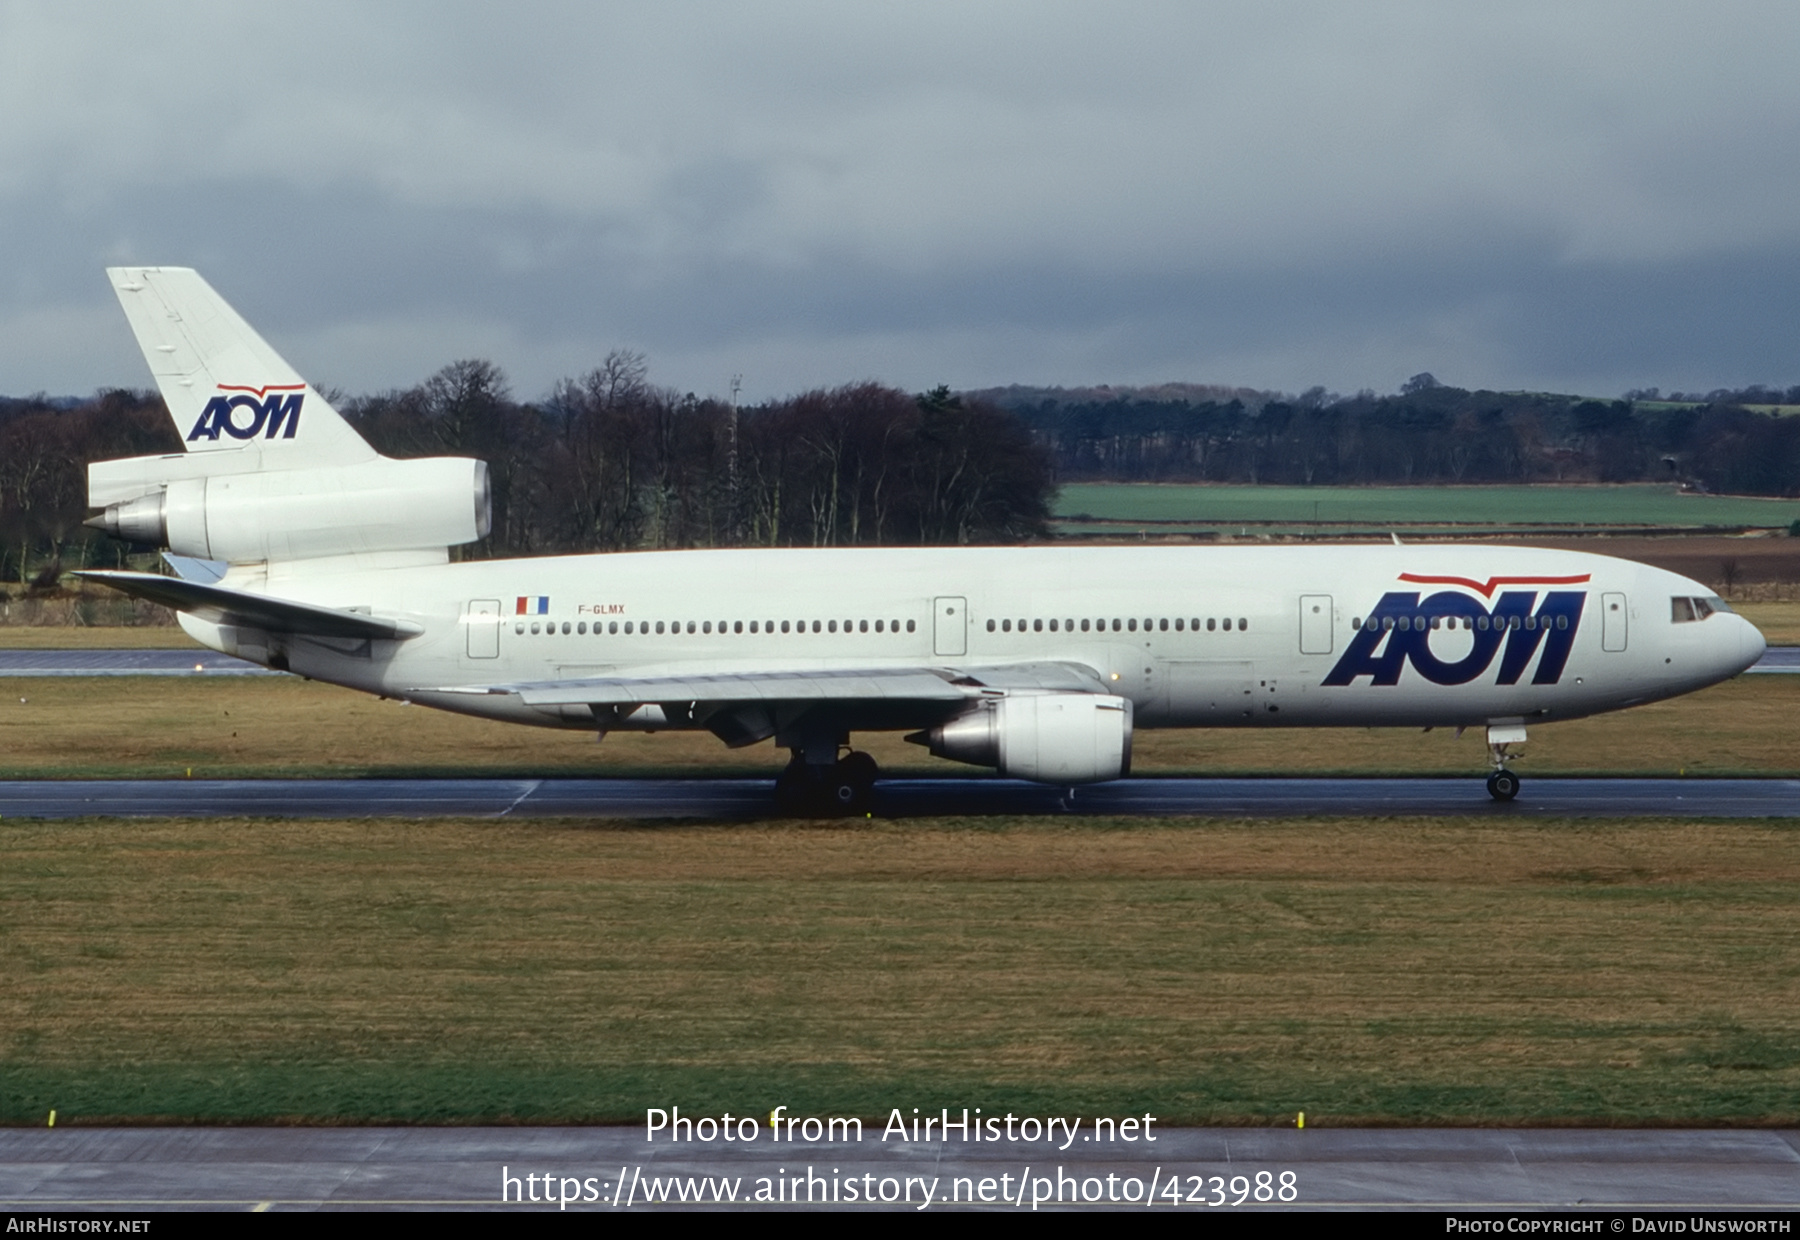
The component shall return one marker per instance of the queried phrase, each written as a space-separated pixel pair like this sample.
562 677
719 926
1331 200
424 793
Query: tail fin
224 386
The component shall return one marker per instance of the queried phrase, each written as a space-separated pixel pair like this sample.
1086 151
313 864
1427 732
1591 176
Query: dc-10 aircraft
300 548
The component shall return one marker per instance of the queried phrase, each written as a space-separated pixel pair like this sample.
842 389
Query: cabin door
484 628
1613 622
1315 624
949 626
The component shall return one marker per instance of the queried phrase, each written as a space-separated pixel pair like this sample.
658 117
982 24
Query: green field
1373 971
1494 507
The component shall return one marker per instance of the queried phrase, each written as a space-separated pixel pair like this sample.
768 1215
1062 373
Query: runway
36 663
1216 1170
745 799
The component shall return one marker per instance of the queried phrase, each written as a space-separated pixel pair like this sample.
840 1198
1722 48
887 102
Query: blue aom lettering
276 417
1398 631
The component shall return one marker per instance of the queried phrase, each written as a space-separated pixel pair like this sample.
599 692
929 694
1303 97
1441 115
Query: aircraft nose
1751 644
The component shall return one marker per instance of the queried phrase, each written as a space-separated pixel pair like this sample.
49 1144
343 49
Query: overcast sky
1578 197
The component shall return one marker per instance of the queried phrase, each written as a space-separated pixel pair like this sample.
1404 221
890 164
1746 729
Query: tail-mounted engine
1060 738
291 514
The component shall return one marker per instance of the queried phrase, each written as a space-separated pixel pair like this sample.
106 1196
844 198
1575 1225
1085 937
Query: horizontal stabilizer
220 605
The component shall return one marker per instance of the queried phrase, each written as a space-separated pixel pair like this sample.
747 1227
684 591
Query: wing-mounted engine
1060 738
290 514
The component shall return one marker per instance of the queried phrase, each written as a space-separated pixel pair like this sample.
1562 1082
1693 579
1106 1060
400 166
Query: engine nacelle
1054 738
296 514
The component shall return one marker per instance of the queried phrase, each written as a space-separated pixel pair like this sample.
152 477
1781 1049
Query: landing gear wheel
853 783
795 790
1503 785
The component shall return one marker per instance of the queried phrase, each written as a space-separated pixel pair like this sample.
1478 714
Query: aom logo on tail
272 411
1400 629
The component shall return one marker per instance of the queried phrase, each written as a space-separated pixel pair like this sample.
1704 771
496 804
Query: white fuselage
1419 635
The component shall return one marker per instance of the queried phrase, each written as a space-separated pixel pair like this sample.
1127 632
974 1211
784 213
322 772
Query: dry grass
165 727
1779 620
1383 971
113 637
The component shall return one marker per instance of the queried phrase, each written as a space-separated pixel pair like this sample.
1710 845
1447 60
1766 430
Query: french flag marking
533 605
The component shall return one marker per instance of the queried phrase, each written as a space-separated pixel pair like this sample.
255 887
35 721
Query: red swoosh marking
1487 590
262 391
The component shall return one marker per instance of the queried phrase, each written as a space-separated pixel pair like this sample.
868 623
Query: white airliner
300 548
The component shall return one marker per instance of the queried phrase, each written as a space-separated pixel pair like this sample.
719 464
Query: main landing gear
842 789
1503 785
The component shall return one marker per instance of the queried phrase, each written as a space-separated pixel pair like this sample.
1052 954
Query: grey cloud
1271 194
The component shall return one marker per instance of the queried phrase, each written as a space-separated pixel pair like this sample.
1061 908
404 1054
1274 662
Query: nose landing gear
1503 785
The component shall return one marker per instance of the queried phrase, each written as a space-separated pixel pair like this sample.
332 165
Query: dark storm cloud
1278 195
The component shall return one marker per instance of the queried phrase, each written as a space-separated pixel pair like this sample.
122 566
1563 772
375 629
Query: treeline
608 462
1426 433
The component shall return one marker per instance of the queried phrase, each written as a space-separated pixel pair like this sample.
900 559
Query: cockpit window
1688 610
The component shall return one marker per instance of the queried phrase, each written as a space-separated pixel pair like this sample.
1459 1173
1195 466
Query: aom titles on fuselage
304 550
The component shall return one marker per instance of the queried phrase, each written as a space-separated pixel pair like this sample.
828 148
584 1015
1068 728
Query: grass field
157 727
1416 971
1496 506
84 637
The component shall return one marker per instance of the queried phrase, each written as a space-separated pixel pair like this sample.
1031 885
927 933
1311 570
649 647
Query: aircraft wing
222 605
897 684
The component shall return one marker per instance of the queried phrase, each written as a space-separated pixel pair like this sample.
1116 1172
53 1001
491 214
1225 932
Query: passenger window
862 626
816 626
1212 623
519 626
1053 626
1037 626
1162 626
1116 624
878 624
1227 625
991 626
612 626
832 627
1084 626
784 626
1178 623
1243 625
910 625
582 627
1562 622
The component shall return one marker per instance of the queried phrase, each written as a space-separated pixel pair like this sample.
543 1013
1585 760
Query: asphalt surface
738 799
125 663
210 663
462 1168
